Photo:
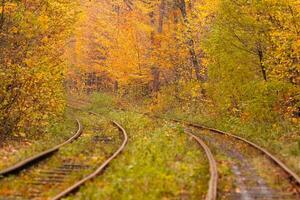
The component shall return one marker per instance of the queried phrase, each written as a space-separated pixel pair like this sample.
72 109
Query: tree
31 71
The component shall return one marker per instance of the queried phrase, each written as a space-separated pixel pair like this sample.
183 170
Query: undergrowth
57 133
280 137
159 162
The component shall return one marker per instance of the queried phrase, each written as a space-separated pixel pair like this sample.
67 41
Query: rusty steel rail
293 177
99 170
213 182
36 158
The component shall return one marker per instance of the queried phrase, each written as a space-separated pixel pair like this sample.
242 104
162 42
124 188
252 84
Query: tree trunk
191 42
116 86
262 66
156 79
129 4
2 14
154 70
161 16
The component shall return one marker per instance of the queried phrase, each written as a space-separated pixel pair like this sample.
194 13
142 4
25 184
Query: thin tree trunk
262 66
116 86
154 69
161 16
2 14
191 42
156 79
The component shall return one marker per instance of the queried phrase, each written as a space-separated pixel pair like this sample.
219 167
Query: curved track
36 158
294 178
44 177
100 169
287 174
213 182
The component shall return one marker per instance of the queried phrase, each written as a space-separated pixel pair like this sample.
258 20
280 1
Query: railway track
243 170
213 182
261 191
99 170
258 190
40 156
292 175
49 180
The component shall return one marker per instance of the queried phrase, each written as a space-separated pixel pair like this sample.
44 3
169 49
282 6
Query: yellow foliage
31 68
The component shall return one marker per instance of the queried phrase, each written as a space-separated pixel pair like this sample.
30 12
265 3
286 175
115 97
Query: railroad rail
99 170
36 158
56 176
293 177
213 182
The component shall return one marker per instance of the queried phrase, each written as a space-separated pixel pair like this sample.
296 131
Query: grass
263 135
280 139
57 133
159 162
88 150
252 164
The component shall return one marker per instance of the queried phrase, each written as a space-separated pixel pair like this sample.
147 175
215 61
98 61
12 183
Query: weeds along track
39 157
256 173
99 170
61 174
291 175
213 182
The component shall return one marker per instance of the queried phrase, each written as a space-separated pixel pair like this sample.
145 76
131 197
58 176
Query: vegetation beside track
282 138
160 161
16 150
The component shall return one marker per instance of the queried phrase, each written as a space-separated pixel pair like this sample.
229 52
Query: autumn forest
168 99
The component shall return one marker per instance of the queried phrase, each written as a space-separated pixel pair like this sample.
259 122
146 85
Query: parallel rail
213 182
68 167
293 177
99 170
36 158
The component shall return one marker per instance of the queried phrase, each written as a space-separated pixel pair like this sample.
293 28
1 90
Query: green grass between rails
89 150
159 162
283 139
